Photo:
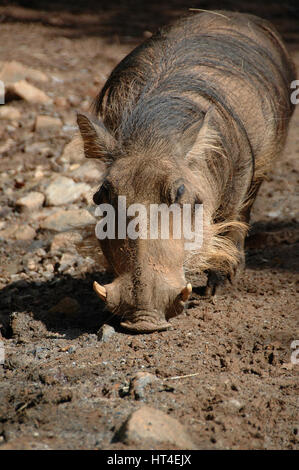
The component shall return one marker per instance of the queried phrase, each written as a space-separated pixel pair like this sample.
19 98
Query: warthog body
196 114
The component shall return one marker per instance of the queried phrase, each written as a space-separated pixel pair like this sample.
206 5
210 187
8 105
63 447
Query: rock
69 128
14 71
61 102
73 151
9 112
19 324
67 260
287 366
139 382
49 267
67 305
31 265
18 232
64 190
105 333
25 233
7 146
88 195
39 148
234 405
89 171
19 181
31 201
74 166
33 147
8 232
74 100
41 253
65 241
44 122
48 275
12 268
64 220
27 92
149 426
42 214
38 174
85 105
57 79
147 34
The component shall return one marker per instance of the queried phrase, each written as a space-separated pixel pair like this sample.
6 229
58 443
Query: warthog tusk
185 294
100 290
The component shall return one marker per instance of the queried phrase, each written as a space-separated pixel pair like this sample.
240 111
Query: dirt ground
62 387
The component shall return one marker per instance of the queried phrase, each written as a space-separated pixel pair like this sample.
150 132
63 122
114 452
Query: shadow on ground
129 20
271 246
39 297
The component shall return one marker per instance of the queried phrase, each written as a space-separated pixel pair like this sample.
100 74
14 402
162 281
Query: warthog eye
180 191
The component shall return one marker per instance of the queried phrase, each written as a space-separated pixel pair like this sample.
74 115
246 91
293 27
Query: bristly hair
221 253
166 65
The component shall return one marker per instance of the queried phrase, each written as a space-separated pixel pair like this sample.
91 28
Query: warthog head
150 285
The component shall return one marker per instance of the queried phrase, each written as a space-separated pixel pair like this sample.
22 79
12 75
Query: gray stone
234 405
89 171
64 220
14 71
31 201
148 426
7 146
64 190
105 333
65 241
73 152
25 233
44 122
10 113
139 383
18 232
67 260
28 92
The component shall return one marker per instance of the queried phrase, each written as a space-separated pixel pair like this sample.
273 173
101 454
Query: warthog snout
143 320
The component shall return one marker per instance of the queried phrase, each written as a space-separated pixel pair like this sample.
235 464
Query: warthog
195 114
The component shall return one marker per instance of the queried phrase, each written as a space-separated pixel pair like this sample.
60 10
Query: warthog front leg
217 280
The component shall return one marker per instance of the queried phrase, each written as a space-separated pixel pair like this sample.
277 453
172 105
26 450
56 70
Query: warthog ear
205 139
98 142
